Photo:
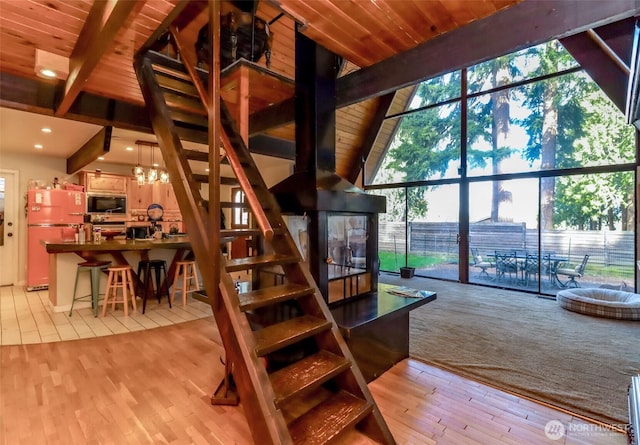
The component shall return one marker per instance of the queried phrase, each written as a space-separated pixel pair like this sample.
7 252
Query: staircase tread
272 295
306 374
328 419
279 335
259 260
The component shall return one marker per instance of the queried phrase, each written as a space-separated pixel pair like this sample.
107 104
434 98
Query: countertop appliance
52 215
106 204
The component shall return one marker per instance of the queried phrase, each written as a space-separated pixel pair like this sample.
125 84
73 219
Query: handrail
232 156
250 195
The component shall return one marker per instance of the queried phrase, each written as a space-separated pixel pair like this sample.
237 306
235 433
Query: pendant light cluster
151 174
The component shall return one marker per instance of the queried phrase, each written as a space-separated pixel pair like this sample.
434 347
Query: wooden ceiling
379 38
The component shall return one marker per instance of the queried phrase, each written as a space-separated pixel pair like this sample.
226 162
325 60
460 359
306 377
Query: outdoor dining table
550 260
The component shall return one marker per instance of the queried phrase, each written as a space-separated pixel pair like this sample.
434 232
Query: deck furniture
572 273
480 262
506 263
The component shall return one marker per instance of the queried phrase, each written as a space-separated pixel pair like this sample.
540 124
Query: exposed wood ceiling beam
528 23
38 96
608 74
103 23
525 24
98 145
272 146
373 128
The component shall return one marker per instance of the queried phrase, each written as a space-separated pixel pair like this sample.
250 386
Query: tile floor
27 317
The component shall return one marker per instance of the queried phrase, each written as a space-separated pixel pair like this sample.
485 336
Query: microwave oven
115 204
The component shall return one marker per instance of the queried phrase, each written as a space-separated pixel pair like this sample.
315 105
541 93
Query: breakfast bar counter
63 261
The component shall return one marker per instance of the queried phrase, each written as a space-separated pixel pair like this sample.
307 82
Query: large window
546 163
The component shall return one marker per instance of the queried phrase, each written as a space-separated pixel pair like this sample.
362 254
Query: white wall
29 167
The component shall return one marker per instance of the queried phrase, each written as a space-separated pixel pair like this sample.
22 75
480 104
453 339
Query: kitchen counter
64 257
178 242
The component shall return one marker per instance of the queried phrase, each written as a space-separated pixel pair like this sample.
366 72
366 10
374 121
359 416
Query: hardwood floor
153 386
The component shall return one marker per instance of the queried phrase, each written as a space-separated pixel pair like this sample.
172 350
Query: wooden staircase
311 390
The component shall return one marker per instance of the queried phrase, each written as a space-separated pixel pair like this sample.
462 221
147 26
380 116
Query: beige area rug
527 345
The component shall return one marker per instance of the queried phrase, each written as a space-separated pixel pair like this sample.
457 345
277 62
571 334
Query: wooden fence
605 248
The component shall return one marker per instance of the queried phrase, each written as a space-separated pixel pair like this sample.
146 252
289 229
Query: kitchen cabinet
141 196
98 182
166 197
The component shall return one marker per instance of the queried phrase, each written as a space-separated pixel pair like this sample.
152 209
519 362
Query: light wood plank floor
153 386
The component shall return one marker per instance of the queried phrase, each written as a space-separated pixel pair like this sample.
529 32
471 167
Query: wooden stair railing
311 390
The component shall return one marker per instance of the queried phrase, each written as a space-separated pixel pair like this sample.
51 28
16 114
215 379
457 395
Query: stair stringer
266 423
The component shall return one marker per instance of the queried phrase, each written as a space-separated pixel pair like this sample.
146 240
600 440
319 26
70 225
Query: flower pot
407 272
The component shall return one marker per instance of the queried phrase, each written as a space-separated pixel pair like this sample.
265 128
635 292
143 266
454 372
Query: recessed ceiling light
100 158
48 73
129 148
38 146
46 130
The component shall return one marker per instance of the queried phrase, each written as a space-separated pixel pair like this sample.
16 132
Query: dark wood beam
277 115
609 76
526 24
98 145
38 96
520 26
373 128
103 23
272 146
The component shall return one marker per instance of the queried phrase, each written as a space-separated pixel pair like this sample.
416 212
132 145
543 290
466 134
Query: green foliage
391 262
568 121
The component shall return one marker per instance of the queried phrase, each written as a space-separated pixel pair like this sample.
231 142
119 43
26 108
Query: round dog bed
607 303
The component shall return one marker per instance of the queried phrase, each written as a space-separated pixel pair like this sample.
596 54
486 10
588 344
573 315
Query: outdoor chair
531 267
506 263
572 273
483 264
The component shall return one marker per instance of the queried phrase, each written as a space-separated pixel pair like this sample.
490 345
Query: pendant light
138 170
152 174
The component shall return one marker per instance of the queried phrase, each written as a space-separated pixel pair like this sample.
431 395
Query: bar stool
120 277
144 270
94 268
187 271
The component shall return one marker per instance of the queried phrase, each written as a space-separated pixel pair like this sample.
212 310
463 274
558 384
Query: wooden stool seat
185 275
120 277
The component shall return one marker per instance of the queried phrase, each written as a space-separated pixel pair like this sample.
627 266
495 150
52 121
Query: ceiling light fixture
51 65
46 130
152 174
38 146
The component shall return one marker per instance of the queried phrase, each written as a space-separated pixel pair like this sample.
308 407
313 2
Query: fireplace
340 219
336 226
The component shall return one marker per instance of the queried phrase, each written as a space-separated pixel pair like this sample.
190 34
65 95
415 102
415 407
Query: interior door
8 228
